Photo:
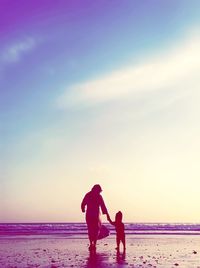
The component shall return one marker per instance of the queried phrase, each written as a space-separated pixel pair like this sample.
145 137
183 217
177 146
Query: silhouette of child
119 227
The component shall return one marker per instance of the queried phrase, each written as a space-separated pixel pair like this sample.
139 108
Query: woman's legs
93 231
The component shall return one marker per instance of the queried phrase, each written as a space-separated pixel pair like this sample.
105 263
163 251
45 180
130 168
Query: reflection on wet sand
103 260
121 258
97 260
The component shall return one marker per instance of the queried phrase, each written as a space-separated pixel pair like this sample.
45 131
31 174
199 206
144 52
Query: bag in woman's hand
104 232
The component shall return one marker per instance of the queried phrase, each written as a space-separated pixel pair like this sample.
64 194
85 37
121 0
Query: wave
66 229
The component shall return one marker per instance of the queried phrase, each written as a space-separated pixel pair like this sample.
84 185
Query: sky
100 92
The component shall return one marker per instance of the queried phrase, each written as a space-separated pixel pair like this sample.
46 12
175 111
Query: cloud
17 50
175 68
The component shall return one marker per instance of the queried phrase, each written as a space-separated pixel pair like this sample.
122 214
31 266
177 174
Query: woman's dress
93 202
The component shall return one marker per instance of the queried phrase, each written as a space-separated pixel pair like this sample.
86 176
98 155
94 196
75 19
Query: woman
93 200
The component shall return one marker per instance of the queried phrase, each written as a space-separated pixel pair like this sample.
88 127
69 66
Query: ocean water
70 229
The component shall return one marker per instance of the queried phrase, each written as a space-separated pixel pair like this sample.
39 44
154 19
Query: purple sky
98 91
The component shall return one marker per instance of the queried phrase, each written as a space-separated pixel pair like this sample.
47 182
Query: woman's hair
96 188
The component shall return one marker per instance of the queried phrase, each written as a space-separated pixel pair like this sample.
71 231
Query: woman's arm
109 219
84 203
103 206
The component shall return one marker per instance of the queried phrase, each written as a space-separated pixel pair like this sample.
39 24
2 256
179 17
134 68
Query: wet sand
142 251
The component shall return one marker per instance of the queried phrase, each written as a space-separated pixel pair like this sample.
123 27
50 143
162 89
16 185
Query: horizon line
72 222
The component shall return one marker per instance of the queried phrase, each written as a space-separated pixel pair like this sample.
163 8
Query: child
119 227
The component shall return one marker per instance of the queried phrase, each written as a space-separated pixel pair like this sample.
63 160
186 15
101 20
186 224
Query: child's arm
109 219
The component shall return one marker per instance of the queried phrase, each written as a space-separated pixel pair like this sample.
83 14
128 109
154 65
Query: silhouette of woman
93 200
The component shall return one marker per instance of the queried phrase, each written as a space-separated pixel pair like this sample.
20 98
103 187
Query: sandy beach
142 251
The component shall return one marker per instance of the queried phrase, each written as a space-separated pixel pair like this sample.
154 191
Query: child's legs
121 239
124 242
118 241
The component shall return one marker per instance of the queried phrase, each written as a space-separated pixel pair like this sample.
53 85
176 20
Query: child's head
118 216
